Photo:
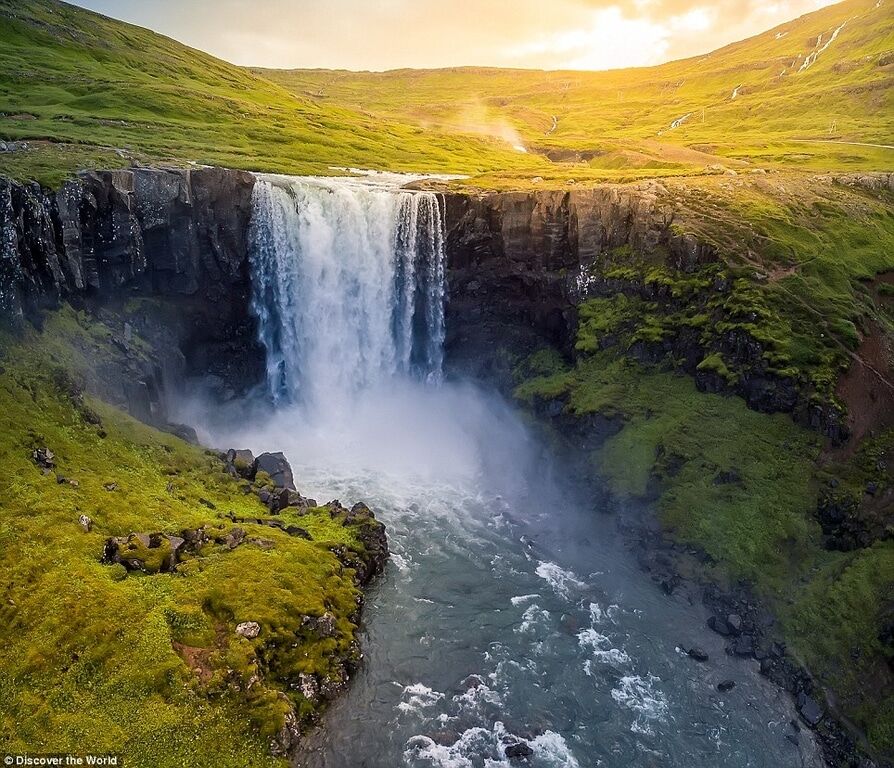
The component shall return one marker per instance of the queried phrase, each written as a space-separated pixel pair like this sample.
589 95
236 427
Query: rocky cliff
722 278
178 237
700 282
518 259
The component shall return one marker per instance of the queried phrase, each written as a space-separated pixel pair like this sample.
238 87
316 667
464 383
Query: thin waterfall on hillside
348 285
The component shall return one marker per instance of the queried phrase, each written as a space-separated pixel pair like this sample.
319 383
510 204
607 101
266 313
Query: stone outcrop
516 260
107 237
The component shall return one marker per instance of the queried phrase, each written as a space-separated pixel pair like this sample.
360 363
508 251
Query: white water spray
348 279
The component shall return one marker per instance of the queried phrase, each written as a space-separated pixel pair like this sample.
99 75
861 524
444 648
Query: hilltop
85 90
811 94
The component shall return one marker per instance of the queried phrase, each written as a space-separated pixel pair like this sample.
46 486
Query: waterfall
348 285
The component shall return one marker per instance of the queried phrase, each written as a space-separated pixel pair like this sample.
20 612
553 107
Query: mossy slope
742 486
148 666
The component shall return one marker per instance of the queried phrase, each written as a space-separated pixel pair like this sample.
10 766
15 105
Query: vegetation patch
147 661
743 487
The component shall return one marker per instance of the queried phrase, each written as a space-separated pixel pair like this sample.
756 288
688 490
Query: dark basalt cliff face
519 265
516 259
109 238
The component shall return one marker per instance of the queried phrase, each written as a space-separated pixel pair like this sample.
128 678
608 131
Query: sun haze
390 34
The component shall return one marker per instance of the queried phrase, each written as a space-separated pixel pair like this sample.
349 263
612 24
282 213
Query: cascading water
348 282
511 611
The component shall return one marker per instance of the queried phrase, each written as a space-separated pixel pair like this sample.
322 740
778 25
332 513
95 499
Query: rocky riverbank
163 583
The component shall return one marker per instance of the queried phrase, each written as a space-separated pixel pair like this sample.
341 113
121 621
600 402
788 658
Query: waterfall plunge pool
511 611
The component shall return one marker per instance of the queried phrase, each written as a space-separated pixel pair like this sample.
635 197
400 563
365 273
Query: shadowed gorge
575 456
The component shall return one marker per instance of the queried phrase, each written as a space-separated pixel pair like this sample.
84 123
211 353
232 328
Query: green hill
71 76
83 89
784 97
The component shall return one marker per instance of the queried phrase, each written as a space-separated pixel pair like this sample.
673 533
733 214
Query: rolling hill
83 89
74 77
805 95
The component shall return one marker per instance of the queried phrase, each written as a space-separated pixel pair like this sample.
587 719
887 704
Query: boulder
44 458
697 653
248 629
810 711
277 466
734 622
145 552
518 751
243 462
725 686
184 432
719 625
234 538
85 522
744 646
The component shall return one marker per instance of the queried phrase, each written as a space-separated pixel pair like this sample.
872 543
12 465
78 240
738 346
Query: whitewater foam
561 580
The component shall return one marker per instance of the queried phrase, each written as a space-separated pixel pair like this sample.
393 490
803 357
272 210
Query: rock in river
277 466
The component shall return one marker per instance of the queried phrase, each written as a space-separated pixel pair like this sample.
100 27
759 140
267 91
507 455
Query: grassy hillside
72 76
807 274
109 93
793 96
147 665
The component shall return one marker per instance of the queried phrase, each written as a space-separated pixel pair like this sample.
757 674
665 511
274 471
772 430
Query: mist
475 118
405 433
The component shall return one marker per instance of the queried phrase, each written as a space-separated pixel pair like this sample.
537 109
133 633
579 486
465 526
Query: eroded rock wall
519 261
179 237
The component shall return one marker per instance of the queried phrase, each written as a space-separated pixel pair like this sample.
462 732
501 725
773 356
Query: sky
390 34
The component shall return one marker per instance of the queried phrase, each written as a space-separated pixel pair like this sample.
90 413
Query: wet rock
277 467
519 751
184 432
734 622
719 625
248 629
725 686
743 646
810 711
697 653
85 522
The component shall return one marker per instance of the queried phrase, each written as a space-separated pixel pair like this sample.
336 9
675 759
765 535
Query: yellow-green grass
95 658
621 120
77 78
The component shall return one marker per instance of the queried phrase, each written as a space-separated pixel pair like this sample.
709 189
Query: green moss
716 364
741 486
100 657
